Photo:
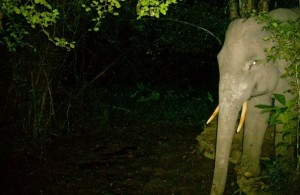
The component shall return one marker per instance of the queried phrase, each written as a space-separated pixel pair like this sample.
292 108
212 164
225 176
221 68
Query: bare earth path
132 158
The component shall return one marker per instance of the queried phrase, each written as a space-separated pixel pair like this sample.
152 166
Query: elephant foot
253 186
247 171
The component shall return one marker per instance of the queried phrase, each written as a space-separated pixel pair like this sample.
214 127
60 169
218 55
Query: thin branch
95 78
193 25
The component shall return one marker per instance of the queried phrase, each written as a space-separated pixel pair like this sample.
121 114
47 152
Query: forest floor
132 158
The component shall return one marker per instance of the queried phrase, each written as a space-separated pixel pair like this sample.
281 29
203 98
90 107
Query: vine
287 113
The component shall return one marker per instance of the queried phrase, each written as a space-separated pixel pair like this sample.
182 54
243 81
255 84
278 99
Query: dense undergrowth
101 108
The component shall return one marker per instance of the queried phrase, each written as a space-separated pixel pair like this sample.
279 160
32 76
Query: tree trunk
233 9
249 6
246 7
243 8
263 5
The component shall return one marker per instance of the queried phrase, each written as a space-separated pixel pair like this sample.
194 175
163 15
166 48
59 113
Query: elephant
247 79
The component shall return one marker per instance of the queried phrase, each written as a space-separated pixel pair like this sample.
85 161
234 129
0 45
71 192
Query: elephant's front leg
254 132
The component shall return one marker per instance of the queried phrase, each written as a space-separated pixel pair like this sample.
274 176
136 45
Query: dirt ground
132 158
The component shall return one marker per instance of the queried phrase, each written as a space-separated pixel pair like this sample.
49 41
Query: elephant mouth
242 118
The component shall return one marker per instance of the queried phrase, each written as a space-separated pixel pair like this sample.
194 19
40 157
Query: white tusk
213 115
243 116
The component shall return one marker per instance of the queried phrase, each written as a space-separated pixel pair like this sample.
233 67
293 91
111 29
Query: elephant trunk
242 119
228 114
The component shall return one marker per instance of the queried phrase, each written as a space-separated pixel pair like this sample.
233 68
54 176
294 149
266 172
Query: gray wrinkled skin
245 75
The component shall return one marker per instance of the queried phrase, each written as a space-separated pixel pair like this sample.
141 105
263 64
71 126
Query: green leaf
17 10
265 107
117 4
95 2
283 144
210 97
35 19
275 24
280 98
273 119
72 45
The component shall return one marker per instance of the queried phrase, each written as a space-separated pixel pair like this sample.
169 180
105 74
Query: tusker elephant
246 79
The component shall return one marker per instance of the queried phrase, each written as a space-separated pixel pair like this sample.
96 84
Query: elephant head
246 79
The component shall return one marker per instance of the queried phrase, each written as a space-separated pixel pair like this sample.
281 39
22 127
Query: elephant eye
254 62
